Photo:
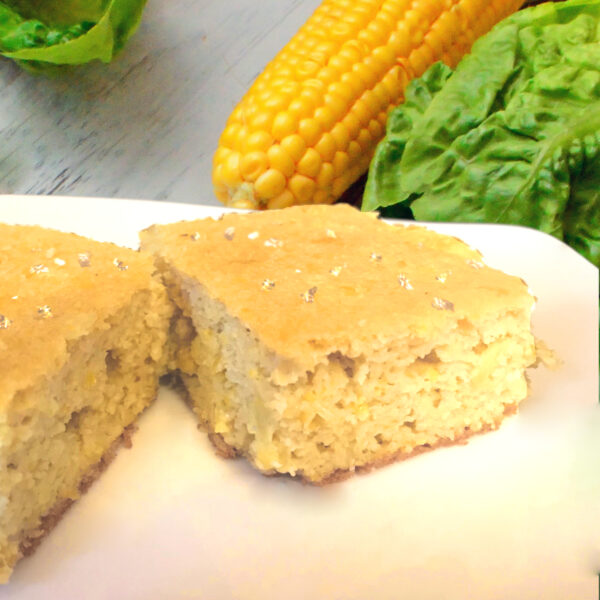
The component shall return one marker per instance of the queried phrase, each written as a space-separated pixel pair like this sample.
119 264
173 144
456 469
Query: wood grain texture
145 126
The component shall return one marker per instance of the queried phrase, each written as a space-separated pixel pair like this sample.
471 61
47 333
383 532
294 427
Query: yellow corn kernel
294 145
259 141
352 52
302 187
361 110
237 114
469 10
275 103
341 136
420 59
270 184
360 408
301 108
322 197
222 194
284 124
325 176
230 174
365 140
312 95
341 30
253 165
337 105
382 117
372 101
310 396
310 131
354 151
400 40
353 83
328 75
315 86
90 380
449 22
285 199
340 63
341 89
436 41
308 68
363 412
375 129
343 181
221 421
376 33
280 160
322 103
324 115
351 124
341 162
363 72
261 121
326 146
221 155
217 177
395 82
310 163
382 94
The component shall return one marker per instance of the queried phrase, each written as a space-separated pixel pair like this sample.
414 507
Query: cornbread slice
317 340
83 328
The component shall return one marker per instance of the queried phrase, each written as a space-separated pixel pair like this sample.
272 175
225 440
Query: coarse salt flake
442 304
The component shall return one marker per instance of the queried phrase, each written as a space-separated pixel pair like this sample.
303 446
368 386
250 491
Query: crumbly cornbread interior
376 387
66 405
356 407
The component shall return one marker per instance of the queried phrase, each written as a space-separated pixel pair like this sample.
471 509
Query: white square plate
513 514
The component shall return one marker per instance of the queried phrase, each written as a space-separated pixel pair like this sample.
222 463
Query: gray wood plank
147 125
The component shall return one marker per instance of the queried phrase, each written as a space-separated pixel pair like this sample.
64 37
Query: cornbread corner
83 331
318 340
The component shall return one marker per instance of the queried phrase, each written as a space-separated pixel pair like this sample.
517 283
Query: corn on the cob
308 126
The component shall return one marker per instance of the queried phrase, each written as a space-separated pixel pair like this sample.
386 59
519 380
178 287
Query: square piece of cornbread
318 340
83 330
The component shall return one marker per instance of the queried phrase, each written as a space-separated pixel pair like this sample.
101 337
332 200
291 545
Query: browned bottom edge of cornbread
460 440
224 450
227 451
32 539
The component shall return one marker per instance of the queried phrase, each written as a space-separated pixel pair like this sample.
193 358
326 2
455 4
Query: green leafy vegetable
40 33
511 136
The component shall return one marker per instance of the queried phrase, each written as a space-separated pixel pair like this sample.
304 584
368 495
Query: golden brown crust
311 278
57 287
49 521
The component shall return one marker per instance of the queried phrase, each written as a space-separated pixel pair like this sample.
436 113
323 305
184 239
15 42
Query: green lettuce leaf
511 136
42 33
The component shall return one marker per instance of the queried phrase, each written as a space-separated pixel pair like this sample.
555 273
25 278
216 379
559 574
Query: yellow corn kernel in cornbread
318 340
83 329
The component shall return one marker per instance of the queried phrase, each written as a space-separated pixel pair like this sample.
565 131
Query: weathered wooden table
145 126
